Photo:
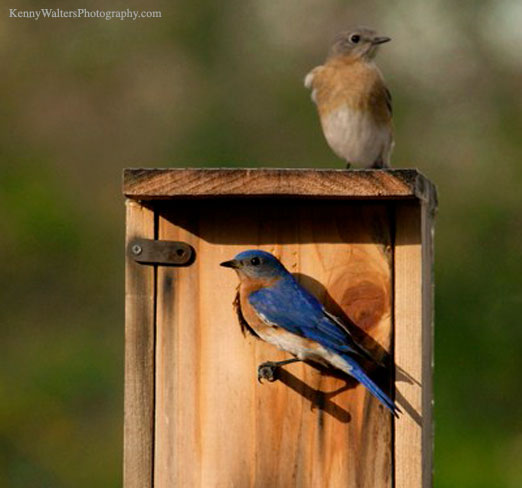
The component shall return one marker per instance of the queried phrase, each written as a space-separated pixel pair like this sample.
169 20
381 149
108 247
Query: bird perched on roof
280 311
353 102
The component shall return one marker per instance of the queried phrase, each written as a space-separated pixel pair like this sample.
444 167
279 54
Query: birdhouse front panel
216 425
197 412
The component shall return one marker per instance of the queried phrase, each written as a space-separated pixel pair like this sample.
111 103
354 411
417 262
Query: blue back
289 305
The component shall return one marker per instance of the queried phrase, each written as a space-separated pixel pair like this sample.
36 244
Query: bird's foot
379 164
267 371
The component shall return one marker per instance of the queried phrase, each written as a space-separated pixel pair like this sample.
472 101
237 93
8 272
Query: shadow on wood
318 399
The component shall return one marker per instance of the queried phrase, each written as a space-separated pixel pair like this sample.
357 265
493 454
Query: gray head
359 42
256 264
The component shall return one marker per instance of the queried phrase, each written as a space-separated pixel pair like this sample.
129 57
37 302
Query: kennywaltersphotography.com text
83 13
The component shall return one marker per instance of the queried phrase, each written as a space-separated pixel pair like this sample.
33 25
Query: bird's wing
354 346
309 78
309 81
388 98
290 306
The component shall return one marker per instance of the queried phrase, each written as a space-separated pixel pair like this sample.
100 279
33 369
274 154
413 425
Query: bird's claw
267 371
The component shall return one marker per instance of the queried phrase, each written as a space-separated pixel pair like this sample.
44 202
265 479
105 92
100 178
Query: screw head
136 249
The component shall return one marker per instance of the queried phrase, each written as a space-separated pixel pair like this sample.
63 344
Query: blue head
256 264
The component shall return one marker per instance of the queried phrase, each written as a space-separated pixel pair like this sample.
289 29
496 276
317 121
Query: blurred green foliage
221 84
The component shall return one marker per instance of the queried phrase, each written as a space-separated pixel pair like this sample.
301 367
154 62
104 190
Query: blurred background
220 84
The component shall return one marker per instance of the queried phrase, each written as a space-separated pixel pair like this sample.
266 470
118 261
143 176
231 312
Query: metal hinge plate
165 253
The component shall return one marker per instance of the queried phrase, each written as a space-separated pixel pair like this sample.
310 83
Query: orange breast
246 287
278 336
356 83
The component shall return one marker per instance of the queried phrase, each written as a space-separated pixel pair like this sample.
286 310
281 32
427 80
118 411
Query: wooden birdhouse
195 414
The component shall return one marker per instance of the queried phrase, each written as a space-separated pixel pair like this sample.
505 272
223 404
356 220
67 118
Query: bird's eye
255 261
355 38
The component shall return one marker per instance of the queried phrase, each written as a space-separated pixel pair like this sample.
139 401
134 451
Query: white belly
354 136
302 348
285 340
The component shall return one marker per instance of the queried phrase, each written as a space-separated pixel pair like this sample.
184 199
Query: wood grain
215 424
413 344
149 184
139 356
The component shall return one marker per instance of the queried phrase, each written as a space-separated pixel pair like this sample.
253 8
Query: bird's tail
358 373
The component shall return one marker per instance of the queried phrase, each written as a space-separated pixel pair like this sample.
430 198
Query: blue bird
280 311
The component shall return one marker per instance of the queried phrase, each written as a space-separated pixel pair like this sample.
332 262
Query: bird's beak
380 40
230 264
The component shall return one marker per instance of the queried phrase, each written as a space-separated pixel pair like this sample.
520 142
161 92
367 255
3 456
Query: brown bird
353 102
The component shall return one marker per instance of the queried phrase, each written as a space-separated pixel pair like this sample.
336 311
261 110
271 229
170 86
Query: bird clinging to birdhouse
281 312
